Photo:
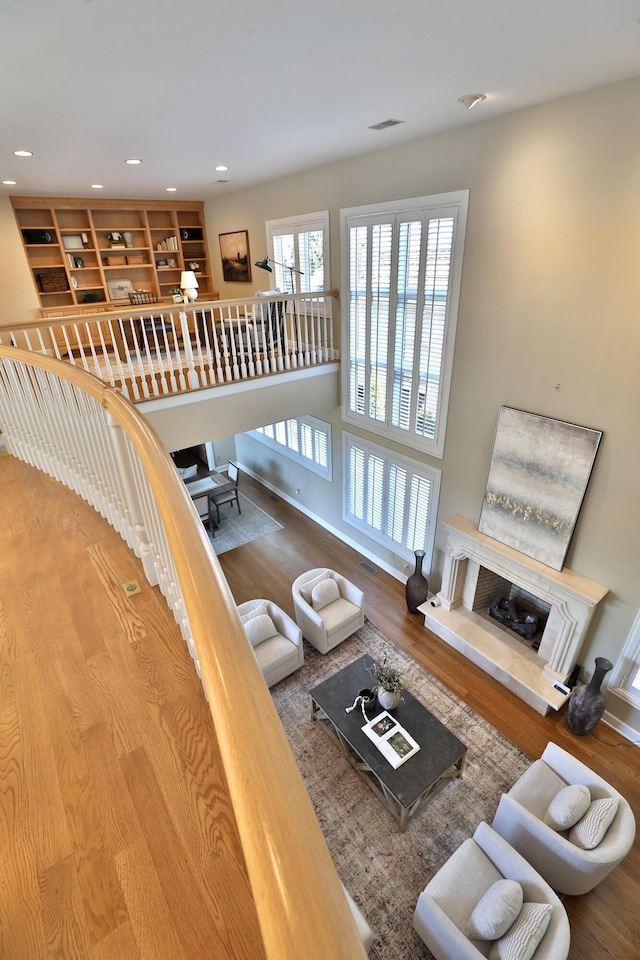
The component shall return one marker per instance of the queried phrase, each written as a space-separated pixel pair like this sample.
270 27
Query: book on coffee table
391 739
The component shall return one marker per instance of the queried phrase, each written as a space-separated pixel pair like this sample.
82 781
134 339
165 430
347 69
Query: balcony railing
158 350
89 437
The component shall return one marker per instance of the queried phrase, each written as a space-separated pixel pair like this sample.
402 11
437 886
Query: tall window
402 272
303 439
625 679
391 498
302 243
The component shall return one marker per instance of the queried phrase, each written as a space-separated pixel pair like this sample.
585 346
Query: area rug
384 870
236 529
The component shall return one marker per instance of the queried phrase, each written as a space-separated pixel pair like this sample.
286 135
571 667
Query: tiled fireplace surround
476 570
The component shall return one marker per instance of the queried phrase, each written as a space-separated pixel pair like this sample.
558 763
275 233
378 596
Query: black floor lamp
266 265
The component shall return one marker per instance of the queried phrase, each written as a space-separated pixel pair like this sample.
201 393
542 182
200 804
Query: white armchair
460 888
275 638
555 852
328 608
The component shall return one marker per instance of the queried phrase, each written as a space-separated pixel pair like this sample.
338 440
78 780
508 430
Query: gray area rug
384 870
236 529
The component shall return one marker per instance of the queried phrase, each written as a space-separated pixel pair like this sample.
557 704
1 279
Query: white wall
549 305
18 296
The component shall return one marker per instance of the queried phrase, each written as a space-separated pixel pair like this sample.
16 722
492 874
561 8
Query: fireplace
478 572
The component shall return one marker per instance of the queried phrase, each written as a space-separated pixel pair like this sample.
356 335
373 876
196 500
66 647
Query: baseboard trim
369 554
629 733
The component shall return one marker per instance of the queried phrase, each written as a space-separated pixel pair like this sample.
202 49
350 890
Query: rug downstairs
384 870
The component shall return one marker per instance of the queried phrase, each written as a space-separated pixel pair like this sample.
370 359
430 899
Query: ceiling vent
385 123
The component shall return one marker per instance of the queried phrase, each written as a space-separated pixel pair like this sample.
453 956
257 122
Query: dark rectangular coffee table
408 788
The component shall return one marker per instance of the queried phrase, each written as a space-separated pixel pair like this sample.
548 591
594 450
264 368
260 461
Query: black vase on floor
587 703
417 587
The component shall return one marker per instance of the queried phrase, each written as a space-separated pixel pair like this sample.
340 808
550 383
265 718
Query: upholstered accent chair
485 900
328 608
275 638
568 822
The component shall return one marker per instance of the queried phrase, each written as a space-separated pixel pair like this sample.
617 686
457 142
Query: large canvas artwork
537 480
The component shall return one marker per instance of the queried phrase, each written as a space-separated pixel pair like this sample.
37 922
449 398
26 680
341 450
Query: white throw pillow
590 830
260 628
324 593
568 806
496 910
259 610
521 940
306 588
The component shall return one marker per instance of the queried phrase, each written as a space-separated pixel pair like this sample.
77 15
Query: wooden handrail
157 308
300 903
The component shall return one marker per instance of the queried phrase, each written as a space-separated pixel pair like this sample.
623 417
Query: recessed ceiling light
97 186
171 189
133 161
23 153
470 99
221 168
220 181
9 183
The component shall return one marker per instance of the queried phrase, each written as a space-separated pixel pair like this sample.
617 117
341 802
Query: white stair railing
89 437
159 350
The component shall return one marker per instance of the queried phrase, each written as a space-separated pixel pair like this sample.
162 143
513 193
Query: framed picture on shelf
73 241
119 289
234 250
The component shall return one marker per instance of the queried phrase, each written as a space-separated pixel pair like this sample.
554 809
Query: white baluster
133 502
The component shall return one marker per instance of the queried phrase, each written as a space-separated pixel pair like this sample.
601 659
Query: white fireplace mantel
572 600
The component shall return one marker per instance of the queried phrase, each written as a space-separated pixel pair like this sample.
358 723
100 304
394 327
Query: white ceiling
273 87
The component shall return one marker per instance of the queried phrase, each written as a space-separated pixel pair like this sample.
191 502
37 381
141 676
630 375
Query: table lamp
189 285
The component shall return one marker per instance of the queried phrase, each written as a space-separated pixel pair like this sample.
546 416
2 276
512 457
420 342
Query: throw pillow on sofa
590 830
496 910
260 628
521 940
324 593
568 806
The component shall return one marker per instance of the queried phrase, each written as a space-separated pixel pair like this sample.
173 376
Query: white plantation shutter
301 242
356 484
306 440
389 497
402 270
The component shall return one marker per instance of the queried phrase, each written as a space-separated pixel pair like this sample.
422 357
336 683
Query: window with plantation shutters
624 681
402 273
390 498
306 440
301 242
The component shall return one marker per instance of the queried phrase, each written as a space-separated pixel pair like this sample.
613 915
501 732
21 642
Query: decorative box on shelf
116 261
53 282
137 258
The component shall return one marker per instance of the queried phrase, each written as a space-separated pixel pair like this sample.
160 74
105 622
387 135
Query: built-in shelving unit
85 255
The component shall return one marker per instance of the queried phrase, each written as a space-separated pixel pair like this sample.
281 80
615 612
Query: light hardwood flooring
117 837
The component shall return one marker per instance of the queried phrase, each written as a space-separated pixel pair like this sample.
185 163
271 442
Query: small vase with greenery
388 684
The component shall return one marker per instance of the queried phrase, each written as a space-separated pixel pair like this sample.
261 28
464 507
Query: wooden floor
116 833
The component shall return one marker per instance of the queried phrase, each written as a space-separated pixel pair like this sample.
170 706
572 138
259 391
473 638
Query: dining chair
230 493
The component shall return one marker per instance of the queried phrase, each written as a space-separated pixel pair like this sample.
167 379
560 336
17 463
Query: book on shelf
391 739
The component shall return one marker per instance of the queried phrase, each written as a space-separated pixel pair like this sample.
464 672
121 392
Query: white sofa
327 606
275 638
520 819
445 907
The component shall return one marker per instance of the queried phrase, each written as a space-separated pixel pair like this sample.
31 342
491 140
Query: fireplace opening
520 614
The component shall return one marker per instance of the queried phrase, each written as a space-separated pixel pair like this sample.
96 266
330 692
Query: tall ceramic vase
587 703
417 587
